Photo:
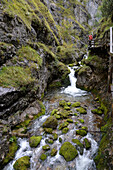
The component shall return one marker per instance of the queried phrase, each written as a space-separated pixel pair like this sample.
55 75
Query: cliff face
36 38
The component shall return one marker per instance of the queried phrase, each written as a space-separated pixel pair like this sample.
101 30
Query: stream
51 101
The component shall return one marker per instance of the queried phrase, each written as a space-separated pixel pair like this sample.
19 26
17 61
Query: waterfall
72 89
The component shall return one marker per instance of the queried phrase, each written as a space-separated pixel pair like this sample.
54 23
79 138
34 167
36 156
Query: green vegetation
51 122
48 130
53 152
81 110
22 163
43 157
46 147
34 141
68 151
81 132
15 76
65 130
87 144
12 150
76 104
107 8
63 125
77 142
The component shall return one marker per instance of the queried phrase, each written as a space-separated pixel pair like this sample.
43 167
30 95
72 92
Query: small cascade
72 89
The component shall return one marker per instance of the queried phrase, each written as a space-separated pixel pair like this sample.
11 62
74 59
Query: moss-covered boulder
81 110
57 116
55 136
22 163
76 104
54 111
79 145
34 141
43 157
64 114
87 144
70 120
68 151
81 120
62 103
81 132
75 114
51 122
97 111
46 147
48 130
65 130
84 128
53 152
63 125
50 141
66 107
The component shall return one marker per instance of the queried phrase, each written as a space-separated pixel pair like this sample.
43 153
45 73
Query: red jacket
90 37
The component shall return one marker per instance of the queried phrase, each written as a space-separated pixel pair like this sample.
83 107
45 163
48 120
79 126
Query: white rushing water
82 162
72 89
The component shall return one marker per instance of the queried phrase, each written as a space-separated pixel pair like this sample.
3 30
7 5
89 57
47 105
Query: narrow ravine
51 101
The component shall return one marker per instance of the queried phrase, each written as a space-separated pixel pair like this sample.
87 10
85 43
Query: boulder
68 151
81 132
34 141
87 144
22 163
51 122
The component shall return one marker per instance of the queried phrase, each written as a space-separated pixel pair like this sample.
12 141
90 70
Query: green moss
81 110
77 142
70 120
63 125
68 151
65 130
15 76
50 141
97 111
46 147
54 112
22 163
84 70
66 107
68 103
75 114
12 150
81 120
81 132
43 157
87 144
51 122
48 130
30 54
60 140
84 128
55 136
76 104
76 123
34 141
53 152
55 84
62 103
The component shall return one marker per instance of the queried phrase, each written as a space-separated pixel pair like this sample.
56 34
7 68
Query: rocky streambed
65 137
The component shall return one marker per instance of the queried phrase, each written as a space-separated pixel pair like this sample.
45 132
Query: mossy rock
62 103
68 103
43 157
76 104
50 141
34 141
76 123
81 110
54 112
63 125
87 144
75 114
66 107
55 136
53 152
12 150
97 111
51 122
81 132
48 130
46 147
84 128
57 116
60 140
22 163
68 151
65 130
77 142
64 114
81 120
70 120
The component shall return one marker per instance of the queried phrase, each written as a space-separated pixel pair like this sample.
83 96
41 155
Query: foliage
107 8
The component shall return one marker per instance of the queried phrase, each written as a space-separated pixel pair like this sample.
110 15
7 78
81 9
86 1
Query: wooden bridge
104 42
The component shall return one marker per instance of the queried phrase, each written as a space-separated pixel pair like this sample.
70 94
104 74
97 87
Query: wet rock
81 132
43 157
81 110
55 136
76 104
70 120
79 145
48 130
51 122
53 152
81 120
97 111
46 147
65 130
22 163
60 140
87 144
63 125
34 141
62 103
68 151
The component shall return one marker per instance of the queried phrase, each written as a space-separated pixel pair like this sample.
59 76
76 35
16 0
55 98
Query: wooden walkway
104 42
